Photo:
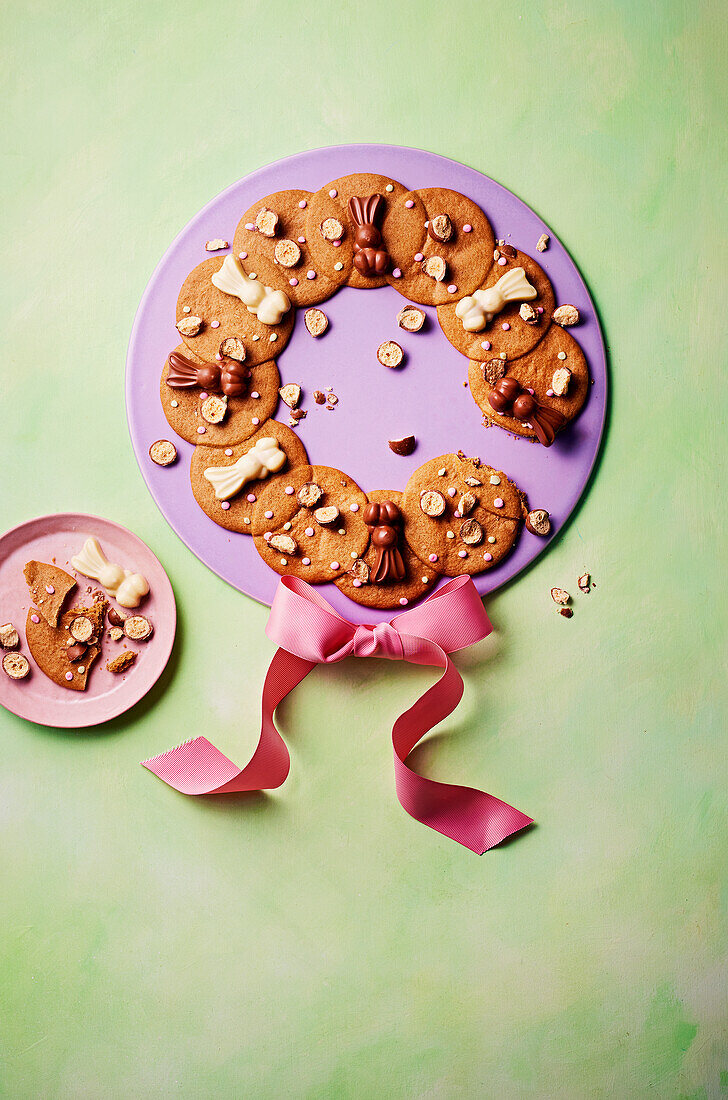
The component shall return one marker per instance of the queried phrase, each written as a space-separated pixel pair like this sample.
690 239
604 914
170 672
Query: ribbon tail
197 767
471 817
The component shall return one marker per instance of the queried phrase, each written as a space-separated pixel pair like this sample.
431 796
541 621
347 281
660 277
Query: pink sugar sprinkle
225 505
487 557
50 589
242 255
354 507
529 390
549 393
268 535
409 204
310 274
396 274
69 675
336 244
309 531
498 502
505 326
335 565
333 193
418 257
203 396
255 420
539 309
452 491
249 225
268 514
228 451
462 553
305 561
255 395
251 498
502 261
34 619
293 282
403 600
301 240
214 324
201 430
452 289
467 228
456 514
289 490
356 584
433 557
302 204
485 345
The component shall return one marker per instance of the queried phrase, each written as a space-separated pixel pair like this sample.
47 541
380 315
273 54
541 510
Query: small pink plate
55 539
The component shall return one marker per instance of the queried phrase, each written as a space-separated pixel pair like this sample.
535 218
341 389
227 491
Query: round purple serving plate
56 538
426 398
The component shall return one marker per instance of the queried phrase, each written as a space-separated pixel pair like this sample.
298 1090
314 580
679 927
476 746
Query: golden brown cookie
466 251
236 514
536 371
53 648
224 315
284 259
183 407
463 516
519 336
331 202
49 587
320 510
358 584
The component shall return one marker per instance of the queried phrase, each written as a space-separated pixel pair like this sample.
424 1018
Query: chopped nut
116 634
472 482
440 228
319 397
138 628
326 517
390 354
290 394
331 229
560 381
471 532
213 409
189 326
267 222
316 321
233 348
310 494
283 543
121 663
75 652
435 267
493 371
528 314
560 596
466 504
542 243
403 446
538 522
360 571
411 318
82 629
9 637
565 316
287 253
567 612
432 503
16 666
163 453
584 583
114 617
216 244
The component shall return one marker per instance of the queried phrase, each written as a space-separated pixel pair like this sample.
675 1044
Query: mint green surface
318 943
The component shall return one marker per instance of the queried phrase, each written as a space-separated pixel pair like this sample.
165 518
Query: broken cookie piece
403 446
390 354
9 637
16 666
121 663
163 453
138 628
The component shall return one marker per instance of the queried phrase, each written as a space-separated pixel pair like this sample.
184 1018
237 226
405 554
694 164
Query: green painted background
319 943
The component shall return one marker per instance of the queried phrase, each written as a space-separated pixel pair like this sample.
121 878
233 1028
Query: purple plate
426 398
56 538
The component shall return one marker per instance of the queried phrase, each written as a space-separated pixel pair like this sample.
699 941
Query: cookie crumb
287 253
538 522
560 381
403 446
331 229
138 628
319 397
267 222
316 321
411 319
9 637
16 666
121 663
567 612
233 348
163 453
298 414
214 409
560 596
528 314
565 316
116 634
542 243
390 354
189 326
584 583
435 267
440 228
432 503
290 394
216 244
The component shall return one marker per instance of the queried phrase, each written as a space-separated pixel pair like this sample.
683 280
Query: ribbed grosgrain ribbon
309 632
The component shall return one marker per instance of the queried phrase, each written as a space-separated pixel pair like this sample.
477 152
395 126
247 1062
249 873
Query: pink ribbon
309 632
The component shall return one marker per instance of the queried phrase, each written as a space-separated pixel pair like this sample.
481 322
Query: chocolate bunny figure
383 521
229 377
370 258
509 396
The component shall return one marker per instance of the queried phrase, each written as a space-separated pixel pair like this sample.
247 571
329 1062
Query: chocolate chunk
138 628
298 414
466 504
327 516
538 522
432 503
567 612
75 652
528 314
121 663
584 583
319 397
163 453
283 543
403 446
114 617
390 354
471 532
411 319
440 228
16 666
509 251
310 494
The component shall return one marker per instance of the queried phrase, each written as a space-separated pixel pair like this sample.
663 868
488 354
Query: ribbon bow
309 632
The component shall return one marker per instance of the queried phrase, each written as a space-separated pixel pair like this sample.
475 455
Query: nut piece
121 663
284 543
560 381
325 517
528 313
584 583
390 354
471 532
213 409
82 629
290 394
75 652
319 397
267 222
565 316
316 321
432 503
440 228
9 637
114 617
189 325
16 666
116 634
233 348
435 267
331 229
466 503
287 253
560 596
163 453
538 522
138 628
310 494
410 318
494 370
216 244
360 571
542 243
567 612
403 446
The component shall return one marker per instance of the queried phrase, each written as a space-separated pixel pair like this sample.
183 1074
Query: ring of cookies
220 388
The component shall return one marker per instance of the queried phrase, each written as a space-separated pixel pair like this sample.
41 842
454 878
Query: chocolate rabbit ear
373 208
356 210
546 423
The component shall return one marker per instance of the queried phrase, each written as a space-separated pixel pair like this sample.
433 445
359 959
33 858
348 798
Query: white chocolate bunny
127 588
478 309
268 305
264 458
